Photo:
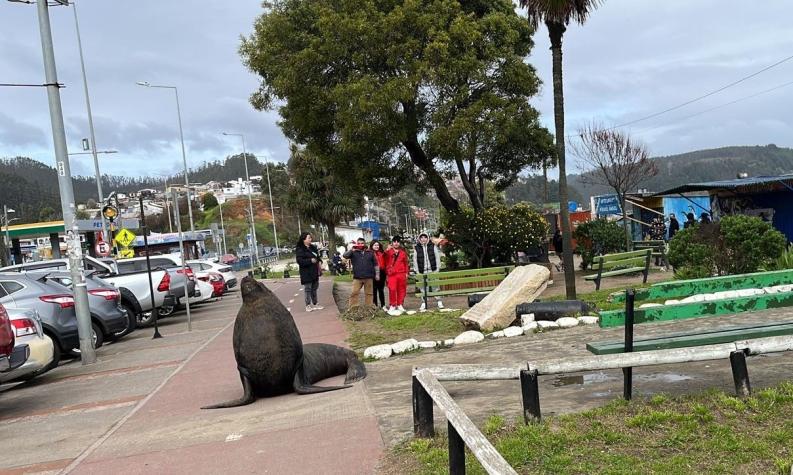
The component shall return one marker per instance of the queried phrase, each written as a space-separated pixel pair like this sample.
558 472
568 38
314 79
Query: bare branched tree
611 158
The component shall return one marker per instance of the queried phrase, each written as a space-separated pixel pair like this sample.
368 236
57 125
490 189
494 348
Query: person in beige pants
364 270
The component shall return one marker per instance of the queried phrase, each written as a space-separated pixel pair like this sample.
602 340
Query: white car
206 290
208 266
28 330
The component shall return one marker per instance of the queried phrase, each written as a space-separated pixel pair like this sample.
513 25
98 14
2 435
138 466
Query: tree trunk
545 181
556 31
331 236
628 237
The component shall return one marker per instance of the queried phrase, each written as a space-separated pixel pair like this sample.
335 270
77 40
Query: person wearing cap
364 270
397 268
427 260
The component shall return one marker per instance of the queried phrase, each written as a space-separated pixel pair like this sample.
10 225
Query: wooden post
627 373
422 411
647 265
530 390
426 289
456 452
740 373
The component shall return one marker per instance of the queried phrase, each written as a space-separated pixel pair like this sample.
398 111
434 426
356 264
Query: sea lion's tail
356 370
247 397
321 361
301 388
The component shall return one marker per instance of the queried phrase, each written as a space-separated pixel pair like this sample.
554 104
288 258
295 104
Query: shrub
735 245
785 261
598 237
495 232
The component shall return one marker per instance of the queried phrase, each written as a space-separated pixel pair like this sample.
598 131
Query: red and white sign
102 249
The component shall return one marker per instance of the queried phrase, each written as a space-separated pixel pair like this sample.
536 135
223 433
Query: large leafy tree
317 193
557 14
395 92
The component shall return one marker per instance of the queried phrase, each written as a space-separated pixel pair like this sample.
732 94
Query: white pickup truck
134 287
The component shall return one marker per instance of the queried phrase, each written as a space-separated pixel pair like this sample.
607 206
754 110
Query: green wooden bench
658 249
611 265
475 280
700 338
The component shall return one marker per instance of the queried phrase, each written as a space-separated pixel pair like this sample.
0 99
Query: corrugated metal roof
750 184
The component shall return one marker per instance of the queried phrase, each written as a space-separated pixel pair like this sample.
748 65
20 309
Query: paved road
137 411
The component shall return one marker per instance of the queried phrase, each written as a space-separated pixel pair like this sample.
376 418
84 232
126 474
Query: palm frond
559 11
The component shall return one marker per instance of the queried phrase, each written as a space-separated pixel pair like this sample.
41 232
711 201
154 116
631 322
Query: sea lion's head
253 290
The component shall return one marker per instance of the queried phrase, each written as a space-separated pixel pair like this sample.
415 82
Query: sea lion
271 357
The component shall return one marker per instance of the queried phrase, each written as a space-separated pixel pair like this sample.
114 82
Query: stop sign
102 249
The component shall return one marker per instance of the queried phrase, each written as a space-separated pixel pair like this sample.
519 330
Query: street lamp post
74 250
94 152
250 197
8 239
181 137
222 228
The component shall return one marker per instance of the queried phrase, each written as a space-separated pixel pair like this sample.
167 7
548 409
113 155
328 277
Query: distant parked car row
38 323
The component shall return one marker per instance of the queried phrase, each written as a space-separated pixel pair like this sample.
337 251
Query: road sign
110 212
126 253
102 249
125 237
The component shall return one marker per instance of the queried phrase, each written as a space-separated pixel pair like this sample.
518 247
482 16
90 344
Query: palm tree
557 14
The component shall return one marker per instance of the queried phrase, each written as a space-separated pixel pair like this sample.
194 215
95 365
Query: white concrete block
405 345
547 325
588 320
498 334
510 332
529 328
567 322
470 336
378 352
426 345
526 318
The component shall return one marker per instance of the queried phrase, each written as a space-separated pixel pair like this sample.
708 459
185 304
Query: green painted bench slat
455 292
431 282
472 272
685 340
620 255
630 270
632 262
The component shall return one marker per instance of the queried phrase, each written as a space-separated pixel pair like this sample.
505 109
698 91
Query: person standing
674 225
364 271
690 221
427 260
380 278
310 263
397 268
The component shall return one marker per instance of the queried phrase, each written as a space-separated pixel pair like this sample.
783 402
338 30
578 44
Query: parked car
173 265
54 304
135 295
225 270
104 300
28 331
7 340
204 291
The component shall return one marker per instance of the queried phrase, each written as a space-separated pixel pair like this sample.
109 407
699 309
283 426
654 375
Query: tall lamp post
222 227
181 137
6 210
92 135
272 207
250 197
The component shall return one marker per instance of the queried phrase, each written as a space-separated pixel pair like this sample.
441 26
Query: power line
699 98
751 96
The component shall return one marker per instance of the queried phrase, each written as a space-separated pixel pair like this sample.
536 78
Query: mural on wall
681 206
727 205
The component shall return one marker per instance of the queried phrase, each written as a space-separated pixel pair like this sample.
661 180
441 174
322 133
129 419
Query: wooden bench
470 281
701 338
610 265
658 249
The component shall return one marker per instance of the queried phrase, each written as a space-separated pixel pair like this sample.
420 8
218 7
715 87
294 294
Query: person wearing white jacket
426 260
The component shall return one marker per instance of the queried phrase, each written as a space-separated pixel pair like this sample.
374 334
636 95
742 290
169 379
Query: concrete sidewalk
137 411
334 432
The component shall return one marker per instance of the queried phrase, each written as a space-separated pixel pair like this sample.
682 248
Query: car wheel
97 335
145 319
132 322
167 311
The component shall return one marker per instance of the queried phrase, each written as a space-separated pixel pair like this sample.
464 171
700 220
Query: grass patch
711 432
430 325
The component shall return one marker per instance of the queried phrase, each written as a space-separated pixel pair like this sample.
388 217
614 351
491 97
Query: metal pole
184 161
223 228
627 373
184 261
91 131
250 204
272 208
530 391
456 451
740 374
423 423
155 312
8 239
74 251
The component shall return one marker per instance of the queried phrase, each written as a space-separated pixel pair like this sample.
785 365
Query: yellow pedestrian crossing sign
125 237
126 253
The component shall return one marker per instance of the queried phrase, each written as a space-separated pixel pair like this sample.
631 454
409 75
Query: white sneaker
393 311
385 308
440 304
401 309
423 307
309 308
318 307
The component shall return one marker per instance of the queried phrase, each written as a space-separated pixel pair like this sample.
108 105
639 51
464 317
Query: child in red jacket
397 269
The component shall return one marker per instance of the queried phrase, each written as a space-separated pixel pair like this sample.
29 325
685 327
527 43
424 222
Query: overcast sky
633 58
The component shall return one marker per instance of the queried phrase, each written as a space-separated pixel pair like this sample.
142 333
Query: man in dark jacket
364 270
674 225
426 260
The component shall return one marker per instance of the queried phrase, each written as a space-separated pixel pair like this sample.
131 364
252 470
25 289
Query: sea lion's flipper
310 371
247 397
311 389
356 370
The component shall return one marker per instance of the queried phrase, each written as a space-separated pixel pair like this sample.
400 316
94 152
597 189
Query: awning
758 184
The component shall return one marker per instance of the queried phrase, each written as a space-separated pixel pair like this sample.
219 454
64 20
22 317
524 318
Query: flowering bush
598 237
496 232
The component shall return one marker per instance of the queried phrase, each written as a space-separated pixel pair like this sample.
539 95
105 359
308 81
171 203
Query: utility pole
73 249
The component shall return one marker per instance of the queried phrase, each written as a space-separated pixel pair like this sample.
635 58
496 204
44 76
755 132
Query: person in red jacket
397 269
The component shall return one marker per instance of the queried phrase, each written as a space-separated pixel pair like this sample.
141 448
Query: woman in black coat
309 261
